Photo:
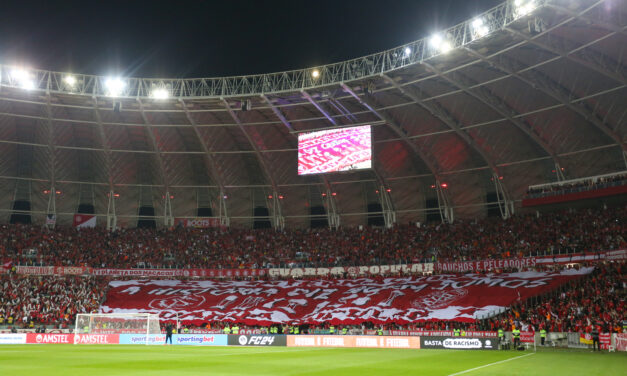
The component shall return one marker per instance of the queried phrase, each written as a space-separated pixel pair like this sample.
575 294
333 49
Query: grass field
52 360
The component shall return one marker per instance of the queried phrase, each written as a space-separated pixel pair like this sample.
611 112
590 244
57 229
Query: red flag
84 220
8 265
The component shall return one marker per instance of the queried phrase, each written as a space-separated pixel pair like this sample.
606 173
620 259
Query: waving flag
84 220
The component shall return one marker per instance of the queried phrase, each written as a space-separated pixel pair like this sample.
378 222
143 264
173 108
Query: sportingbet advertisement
334 150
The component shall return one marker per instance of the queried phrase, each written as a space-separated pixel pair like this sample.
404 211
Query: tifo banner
197 222
458 343
340 301
384 342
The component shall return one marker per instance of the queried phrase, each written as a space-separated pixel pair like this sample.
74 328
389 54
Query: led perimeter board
334 150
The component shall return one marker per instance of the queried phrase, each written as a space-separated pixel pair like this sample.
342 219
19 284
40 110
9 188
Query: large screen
334 150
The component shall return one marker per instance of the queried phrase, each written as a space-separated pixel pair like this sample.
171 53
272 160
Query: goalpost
118 323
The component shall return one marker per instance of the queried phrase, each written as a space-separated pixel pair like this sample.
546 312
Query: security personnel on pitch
542 336
456 332
516 335
235 329
344 330
332 329
463 333
296 330
380 331
227 329
501 335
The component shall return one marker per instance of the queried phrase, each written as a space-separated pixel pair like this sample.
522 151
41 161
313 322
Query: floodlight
315 73
479 28
524 7
160 93
69 80
439 44
407 51
114 86
23 78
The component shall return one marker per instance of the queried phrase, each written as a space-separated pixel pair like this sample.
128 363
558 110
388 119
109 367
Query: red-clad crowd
548 233
596 300
26 301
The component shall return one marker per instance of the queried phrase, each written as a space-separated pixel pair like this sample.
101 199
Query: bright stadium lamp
23 78
69 80
407 52
439 44
114 86
524 7
160 93
479 28
315 73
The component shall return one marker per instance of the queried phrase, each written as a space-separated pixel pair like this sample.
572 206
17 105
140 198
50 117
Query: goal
118 323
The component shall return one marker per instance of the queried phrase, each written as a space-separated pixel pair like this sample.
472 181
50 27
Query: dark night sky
214 38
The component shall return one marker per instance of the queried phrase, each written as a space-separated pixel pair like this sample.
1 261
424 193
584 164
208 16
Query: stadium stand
568 231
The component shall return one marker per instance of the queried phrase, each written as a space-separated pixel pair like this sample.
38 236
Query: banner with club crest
341 301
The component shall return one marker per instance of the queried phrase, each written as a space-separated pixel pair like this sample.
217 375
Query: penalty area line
489 364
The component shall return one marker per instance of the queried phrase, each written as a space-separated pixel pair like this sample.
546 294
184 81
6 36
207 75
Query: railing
577 185
373 65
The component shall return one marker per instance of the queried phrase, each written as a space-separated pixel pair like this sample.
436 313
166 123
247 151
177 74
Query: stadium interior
495 198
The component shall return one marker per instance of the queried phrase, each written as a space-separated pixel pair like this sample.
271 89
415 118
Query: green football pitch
50 360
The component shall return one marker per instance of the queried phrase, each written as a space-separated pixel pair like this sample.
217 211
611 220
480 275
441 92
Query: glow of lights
23 78
225 197
281 197
444 185
171 197
324 195
439 44
315 73
160 93
333 194
407 51
46 191
114 86
58 192
388 190
479 28
524 7
116 195
270 197
70 80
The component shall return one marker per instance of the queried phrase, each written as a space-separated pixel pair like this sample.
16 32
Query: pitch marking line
490 364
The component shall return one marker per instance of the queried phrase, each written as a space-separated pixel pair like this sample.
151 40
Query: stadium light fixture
114 86
524 7
440 44
69 80
160 93
407 52
23 78
479 28
315 73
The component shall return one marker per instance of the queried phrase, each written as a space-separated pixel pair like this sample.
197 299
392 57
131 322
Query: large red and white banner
334 150
340 301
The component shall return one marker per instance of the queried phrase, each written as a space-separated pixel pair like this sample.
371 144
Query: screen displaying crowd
570 231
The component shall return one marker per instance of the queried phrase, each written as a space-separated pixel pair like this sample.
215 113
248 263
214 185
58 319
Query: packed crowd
597 300
28 301
567 231
578 186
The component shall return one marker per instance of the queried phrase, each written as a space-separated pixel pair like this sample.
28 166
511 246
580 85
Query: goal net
117 323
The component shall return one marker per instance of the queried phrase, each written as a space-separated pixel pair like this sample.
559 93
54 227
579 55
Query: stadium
454 205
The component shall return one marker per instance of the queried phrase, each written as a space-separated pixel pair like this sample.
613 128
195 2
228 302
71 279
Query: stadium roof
533 92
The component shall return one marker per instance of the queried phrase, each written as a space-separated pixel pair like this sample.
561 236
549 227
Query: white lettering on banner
333 341
12 339
399 300
91 339
397 342
366 342
304 341
52 338
459 343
